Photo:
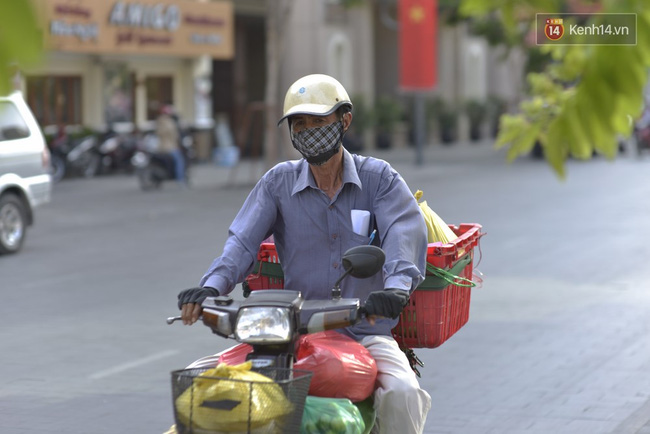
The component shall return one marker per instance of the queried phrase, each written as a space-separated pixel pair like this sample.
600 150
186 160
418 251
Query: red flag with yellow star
418 21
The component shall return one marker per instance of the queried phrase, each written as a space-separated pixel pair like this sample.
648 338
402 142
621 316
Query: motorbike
100 153
59 147
272 321
90 155
152 167
116 150
83 157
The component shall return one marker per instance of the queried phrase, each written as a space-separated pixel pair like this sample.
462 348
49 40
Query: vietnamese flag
418 21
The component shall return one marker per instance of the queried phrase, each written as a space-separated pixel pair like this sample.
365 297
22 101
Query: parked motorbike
86 155
272 321
116 150
152 167
84 158
59 147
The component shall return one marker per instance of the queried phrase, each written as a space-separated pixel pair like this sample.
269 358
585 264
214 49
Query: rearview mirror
363 261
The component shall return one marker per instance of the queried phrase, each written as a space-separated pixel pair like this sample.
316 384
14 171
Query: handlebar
172 319
220 313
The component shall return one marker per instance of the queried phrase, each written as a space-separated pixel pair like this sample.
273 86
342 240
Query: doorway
160 92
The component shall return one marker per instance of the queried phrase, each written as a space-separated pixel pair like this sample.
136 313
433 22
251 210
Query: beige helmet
315 94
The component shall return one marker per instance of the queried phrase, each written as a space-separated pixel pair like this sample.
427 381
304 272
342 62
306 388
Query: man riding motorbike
308 206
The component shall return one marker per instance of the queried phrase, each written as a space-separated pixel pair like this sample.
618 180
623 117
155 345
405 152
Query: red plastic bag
235 355
342 367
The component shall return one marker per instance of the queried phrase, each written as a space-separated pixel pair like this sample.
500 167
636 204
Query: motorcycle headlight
263 325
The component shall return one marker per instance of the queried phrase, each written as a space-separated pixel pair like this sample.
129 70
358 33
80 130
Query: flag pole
419 126
418 28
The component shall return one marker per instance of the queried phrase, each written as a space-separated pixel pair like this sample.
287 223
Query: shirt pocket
354 238
357 240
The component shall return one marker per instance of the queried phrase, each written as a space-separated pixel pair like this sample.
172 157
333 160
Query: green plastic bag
331 416
368 413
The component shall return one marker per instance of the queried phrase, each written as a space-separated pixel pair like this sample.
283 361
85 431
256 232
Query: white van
24 165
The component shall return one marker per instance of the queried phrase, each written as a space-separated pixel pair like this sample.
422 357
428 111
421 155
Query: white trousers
400 404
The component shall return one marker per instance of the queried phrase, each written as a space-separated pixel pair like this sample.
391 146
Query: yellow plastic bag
171 430
437 229
222 405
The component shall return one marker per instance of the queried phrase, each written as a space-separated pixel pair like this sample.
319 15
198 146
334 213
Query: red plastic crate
436 309
268 275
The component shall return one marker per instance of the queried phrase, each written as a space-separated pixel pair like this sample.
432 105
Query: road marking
134 364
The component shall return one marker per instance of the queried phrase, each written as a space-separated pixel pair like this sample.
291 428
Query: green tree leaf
20 39
586 98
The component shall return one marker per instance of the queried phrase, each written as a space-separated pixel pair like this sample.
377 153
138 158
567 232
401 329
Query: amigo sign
151 27
158 16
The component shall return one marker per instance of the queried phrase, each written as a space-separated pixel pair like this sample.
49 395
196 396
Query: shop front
111 62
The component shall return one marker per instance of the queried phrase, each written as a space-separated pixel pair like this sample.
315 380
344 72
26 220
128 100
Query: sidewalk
248 171
438 156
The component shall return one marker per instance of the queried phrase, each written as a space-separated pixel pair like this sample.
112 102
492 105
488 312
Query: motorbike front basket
206 404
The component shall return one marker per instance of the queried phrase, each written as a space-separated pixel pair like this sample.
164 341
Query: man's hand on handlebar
189 302
372 319
388 304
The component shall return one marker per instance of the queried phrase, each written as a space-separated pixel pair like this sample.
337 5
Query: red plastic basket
269 273
436 309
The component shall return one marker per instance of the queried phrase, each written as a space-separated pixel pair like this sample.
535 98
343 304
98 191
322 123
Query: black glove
388 303
195 295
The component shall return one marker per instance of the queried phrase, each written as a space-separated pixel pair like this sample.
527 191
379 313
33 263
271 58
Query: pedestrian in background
169 141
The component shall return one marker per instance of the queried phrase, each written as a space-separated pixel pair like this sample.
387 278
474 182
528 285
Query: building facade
118 62
111 62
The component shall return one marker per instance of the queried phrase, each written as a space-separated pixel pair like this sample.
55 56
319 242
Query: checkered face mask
318 145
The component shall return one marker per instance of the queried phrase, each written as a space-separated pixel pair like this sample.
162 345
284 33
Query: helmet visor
313 109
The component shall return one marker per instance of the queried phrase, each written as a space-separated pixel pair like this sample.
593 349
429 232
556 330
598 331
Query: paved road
557 339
